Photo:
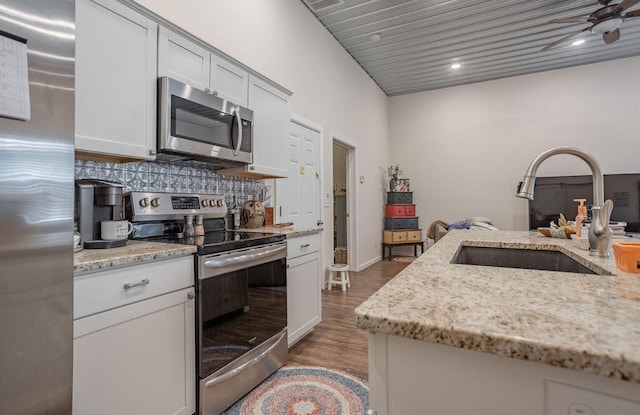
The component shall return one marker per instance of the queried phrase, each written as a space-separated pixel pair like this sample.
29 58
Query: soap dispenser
582 215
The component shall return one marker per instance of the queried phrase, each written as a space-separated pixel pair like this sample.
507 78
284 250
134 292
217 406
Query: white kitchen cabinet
116 55
184 60
409 376
271 114
134 348
181 59
229 81
304 286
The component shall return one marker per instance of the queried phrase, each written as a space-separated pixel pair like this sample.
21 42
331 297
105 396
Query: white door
298 196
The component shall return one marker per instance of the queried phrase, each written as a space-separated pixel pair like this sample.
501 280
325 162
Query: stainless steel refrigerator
37 53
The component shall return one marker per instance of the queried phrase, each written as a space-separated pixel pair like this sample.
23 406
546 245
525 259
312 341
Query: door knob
320 223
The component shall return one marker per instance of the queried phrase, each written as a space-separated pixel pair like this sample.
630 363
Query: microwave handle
236 150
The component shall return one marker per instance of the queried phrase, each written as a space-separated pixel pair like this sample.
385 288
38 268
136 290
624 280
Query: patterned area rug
303 390
403 258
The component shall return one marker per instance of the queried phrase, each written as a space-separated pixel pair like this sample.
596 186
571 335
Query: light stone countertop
89 260
583 322
290 231
134 252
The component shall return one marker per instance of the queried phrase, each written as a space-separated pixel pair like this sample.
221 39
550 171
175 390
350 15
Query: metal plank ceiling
491 39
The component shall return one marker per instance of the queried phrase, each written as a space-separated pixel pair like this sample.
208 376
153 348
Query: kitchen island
450 338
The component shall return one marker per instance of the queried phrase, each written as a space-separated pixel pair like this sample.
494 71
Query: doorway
343 203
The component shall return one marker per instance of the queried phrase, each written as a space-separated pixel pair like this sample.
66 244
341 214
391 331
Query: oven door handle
246 364
261 255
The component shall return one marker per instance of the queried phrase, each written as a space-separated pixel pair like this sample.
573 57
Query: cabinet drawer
399 197
390 237
104 290
302 245
392 211
400 223
413 236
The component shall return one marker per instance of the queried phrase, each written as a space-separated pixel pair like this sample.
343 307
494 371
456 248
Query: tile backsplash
148 176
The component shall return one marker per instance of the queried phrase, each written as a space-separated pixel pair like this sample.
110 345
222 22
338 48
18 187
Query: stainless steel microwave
193 124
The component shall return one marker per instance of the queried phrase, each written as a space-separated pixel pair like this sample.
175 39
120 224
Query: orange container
627 256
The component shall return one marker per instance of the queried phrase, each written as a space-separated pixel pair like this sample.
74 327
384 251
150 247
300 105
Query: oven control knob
219 202
144 202
205 203
155 202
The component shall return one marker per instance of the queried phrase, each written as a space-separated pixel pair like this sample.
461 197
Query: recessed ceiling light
376 37
577 42
456 66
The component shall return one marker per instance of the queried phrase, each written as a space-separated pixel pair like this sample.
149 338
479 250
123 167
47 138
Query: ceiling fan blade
564 39
635 13
625 5
570 20
611 37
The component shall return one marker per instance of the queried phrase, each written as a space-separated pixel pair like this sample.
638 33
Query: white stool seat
339 275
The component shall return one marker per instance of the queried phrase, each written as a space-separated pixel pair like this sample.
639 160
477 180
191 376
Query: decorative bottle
188 230
198 229
235 213
581 216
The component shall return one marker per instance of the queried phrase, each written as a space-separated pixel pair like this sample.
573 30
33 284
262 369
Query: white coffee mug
114 230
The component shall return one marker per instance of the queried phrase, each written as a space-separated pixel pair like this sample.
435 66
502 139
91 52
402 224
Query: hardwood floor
336 342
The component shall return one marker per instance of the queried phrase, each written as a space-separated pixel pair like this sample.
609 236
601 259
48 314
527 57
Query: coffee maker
95 201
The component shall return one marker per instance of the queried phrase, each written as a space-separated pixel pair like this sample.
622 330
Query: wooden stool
339 275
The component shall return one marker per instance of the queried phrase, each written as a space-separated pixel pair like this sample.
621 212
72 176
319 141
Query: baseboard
369 263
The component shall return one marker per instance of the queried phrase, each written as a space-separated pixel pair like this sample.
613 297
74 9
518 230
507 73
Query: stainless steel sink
520 258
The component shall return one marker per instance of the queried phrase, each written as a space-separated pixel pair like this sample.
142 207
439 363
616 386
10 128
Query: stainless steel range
241 321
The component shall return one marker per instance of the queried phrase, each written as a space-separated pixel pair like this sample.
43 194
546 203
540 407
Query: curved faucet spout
599 232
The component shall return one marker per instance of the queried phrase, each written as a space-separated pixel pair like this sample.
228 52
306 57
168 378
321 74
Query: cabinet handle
238 119
136 284
191 295
304 246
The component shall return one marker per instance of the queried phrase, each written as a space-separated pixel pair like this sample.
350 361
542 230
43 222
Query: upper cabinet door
183 60
116 58
229 81
271 115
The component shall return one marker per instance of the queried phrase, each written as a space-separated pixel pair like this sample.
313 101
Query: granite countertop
89 260
134 252
289 231
583 322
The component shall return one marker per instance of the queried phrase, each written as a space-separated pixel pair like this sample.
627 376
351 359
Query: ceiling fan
605 21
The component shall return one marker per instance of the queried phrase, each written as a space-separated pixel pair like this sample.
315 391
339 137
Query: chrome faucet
599 232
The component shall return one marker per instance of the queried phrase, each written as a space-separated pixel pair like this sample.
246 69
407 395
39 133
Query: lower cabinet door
304 297
137 359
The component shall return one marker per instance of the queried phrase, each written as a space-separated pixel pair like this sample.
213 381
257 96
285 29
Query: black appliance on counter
95 201
241 293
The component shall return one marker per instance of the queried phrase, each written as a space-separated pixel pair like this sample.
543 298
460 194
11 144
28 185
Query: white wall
466 148
284 42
